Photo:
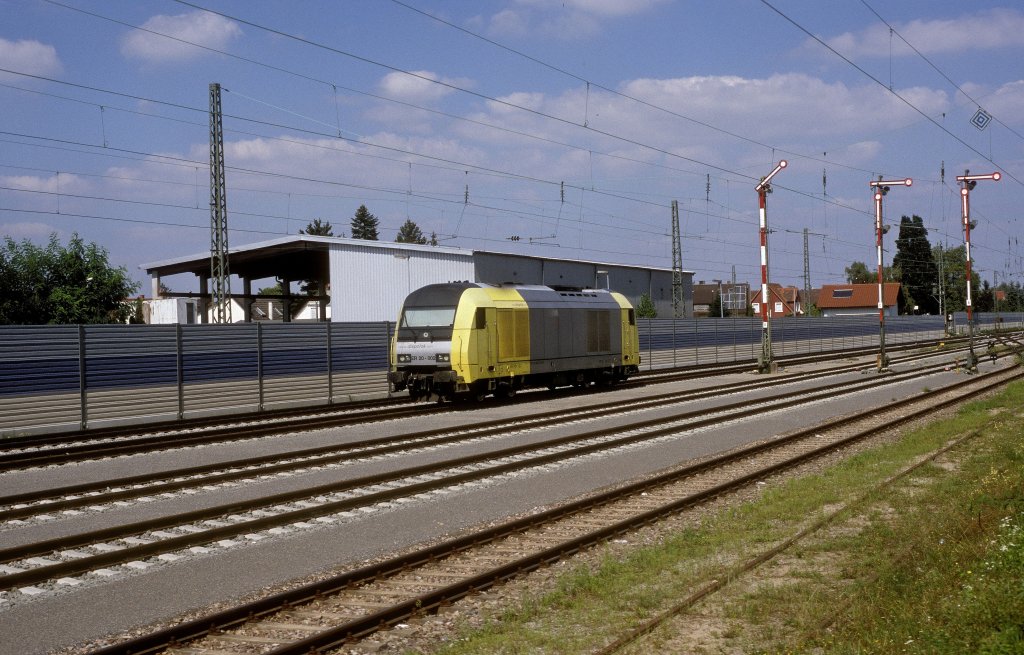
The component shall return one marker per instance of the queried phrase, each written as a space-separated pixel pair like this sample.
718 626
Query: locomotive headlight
404 358
444 357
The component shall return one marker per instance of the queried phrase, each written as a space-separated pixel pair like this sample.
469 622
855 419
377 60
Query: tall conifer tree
364 225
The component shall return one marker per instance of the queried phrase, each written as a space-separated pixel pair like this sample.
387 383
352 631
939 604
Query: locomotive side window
480 319
632 317
417 317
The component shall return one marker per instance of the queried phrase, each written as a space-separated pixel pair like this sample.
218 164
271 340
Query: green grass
934 564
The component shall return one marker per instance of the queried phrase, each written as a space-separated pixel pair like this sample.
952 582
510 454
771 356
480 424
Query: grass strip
934 564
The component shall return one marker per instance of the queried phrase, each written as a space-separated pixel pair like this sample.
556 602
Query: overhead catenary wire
960 89
424 164
425 78
893 92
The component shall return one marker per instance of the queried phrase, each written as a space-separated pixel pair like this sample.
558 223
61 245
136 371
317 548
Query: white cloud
983 30
1006 102
196 27
509 23
30 57
420 87
63 183
789 106
563 19
605 8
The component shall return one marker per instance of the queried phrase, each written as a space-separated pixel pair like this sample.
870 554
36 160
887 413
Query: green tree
321 229
985 302
61 285
318 228
858 273
916 265
364 225
273 290
410 233
954 270
715 307
645 307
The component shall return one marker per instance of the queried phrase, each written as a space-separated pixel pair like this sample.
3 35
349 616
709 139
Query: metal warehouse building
368 280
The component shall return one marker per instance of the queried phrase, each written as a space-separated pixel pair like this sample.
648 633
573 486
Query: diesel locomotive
471 340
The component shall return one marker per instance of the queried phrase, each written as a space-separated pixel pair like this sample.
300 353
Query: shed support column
247 299
155 281
286 302
322 292
204 298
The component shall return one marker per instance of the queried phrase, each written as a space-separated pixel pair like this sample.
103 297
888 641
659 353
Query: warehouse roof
289 257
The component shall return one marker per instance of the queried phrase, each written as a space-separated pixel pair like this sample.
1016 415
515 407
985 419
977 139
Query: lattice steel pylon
807 271
220 275
677 264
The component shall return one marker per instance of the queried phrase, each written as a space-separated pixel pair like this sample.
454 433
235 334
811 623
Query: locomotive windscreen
417 317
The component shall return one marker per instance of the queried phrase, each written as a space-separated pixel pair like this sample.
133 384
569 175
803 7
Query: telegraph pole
219 273
807 270
765 362
968 182
881 188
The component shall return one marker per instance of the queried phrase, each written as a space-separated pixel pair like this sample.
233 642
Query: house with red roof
857 299
782 301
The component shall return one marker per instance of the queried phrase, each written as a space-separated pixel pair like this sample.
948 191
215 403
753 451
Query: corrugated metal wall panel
23 415
387 276
494 268
359 360
131 405
215 398
294 364
130 371
220 369
294 391
360 386
39 379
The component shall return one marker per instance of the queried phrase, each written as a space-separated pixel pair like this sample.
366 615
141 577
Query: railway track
174 535
25 452
61 499
332 612
711 587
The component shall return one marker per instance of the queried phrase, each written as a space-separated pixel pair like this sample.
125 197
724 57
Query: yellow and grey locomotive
474 339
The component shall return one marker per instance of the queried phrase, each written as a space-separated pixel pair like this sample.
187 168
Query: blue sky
571 124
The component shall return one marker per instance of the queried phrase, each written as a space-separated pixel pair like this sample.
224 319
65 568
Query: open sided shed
368 280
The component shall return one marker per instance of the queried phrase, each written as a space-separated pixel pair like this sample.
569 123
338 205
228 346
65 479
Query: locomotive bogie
473 340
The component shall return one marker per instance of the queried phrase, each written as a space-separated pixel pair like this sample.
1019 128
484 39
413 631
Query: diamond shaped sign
981 119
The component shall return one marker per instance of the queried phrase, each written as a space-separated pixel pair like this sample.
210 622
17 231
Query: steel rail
321 455
72 452
753 563
654 429
192 630
66 448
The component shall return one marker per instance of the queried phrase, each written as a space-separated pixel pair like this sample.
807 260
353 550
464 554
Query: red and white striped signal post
968 182
881 188
763 189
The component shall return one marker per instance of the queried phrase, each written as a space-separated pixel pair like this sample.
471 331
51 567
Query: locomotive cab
422 347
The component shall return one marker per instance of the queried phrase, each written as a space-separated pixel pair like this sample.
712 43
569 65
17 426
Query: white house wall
370 284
